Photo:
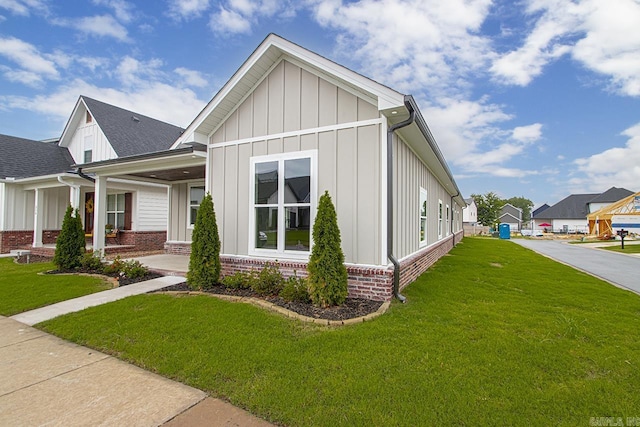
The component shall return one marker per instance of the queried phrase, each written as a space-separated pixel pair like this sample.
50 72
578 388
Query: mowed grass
493 334
23 289
633 248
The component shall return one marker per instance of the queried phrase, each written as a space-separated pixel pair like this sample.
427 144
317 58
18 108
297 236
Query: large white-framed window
282 203
196 194
448 218
440 213
115 210
423 216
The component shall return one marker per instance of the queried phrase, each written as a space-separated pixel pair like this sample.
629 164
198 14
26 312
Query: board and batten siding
292 99
410 174
179 215
102 149
19 201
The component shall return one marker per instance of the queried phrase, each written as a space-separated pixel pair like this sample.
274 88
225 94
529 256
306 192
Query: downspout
392 258
451 213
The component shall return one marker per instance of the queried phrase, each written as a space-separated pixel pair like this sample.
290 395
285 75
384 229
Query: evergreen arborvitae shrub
327 273
204 263
70 245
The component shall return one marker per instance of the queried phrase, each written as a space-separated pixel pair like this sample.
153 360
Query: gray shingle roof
612 195
538 211
131 133
24 158
571 207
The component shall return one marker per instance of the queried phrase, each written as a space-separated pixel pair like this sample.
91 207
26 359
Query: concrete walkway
49 312
616 268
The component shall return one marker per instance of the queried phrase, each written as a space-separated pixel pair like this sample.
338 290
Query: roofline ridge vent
135 119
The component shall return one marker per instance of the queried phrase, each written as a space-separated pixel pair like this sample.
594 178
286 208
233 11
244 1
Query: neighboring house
287 126
539 210
470 212
511 215
569 215
40 179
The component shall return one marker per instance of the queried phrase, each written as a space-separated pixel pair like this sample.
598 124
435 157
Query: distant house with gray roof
569 215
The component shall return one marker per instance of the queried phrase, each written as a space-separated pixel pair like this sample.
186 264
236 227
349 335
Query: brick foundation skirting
369 282
11 240
143 240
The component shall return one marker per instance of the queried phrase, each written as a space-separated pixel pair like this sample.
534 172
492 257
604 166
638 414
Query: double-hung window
196 194
283 203
115 210
448 219
88 149
423 216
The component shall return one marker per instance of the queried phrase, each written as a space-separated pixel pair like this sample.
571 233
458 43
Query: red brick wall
10 240
49 237
418 263
375 283
143 240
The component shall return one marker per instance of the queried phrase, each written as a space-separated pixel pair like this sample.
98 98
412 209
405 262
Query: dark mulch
352 307
122 281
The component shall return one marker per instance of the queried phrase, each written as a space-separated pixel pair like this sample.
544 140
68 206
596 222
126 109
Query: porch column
74 197
169 210
99 214
38 218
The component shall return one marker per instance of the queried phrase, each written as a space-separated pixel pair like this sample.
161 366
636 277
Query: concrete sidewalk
49 381
618 269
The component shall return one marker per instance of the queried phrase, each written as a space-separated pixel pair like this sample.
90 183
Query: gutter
392 258
85 176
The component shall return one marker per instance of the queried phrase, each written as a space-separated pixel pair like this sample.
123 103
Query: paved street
619 269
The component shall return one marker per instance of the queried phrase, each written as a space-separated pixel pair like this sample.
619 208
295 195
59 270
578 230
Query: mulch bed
352 307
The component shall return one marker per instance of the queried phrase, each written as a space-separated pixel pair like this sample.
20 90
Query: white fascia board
62 142
49 181
148 165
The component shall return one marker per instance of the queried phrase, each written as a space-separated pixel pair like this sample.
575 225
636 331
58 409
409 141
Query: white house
470 212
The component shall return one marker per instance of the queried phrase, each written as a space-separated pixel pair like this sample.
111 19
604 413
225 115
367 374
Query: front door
89 203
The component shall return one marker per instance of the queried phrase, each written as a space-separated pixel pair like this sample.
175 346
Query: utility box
505 231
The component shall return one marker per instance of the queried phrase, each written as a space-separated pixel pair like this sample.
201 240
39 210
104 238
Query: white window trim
191 185
447 220
424 241
116 211
440 214
313 182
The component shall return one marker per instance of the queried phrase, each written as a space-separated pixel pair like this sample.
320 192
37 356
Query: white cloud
602 36
187 9
191 77
132 72
238 16
28 78
27 57
618 166
23 7
101 26
530 133
122 9
154 99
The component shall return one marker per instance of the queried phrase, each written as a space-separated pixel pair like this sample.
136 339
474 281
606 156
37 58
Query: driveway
618 269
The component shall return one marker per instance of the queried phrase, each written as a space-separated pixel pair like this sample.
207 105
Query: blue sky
533 98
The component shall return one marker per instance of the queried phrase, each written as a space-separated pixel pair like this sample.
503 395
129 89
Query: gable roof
42 158
128 132
571 207
542 208
273 50
611 195
469 201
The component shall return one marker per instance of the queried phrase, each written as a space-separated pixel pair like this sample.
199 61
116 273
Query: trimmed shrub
327 273
70 245
92 262
131 269
237 280
269 281
295 290
204 262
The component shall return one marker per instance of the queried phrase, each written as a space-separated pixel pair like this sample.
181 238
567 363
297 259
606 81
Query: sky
532 98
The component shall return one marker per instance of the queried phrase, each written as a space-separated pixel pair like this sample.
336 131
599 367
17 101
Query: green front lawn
633 248
23 289
491 335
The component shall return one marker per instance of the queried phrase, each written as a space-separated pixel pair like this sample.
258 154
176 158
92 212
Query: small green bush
237 280
70 244
327 273
295 290
131 269
204 262
269 281
92 261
